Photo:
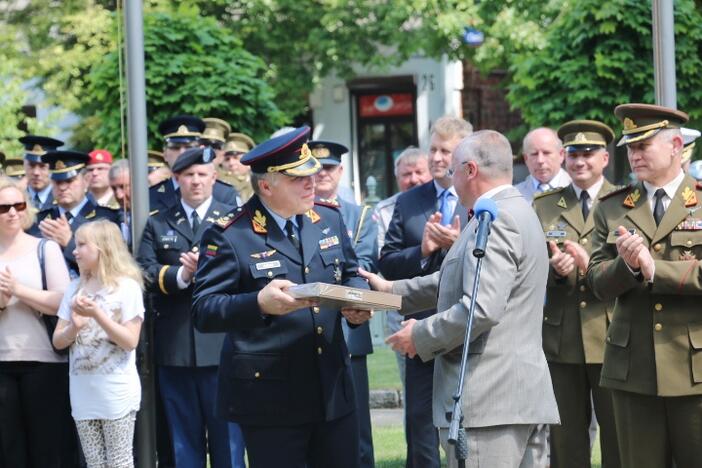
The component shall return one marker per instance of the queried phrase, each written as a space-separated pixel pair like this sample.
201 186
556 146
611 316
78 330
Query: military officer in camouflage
646 249
285 374
575 322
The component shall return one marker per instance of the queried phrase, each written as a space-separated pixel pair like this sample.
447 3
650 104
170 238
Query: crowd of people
585 315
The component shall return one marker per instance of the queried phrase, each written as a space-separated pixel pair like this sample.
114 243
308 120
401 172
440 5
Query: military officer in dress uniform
14 169
181 133
575 322
187 360
71 207
215 135
363 233
285 370
647 246
231 169
38 180
156 165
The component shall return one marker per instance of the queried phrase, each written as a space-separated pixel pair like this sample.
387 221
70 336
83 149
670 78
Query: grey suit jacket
508 380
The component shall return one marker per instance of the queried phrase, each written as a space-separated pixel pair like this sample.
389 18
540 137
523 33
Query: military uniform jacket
575 321
163 196
363 233
276 370
166 236
654 343
89 212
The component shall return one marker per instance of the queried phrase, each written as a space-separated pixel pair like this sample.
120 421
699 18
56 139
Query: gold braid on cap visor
305 155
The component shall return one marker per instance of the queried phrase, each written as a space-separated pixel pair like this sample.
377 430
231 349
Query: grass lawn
382 370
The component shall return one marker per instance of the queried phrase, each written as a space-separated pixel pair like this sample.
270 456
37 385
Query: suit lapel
677 211
427 200
572 212
641 214
590 221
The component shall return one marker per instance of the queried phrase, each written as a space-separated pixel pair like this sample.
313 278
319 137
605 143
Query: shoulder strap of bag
42 267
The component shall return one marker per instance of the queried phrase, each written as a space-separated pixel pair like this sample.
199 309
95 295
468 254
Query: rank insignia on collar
264 254
161 189
688 255
181 220
632 198
211 250
326 230
689 196
258 222
215 212
562 203
314 217
90 215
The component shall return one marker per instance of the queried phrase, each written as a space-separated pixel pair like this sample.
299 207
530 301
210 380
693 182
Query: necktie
69 216
445 207
290 231
658 210
37 201
544 188
196 221
584 198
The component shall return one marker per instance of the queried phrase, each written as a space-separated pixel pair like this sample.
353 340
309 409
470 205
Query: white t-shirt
104 383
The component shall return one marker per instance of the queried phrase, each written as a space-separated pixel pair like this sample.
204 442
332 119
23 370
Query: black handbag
50 321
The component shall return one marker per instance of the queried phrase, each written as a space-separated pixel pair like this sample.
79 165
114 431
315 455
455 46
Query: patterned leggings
107 443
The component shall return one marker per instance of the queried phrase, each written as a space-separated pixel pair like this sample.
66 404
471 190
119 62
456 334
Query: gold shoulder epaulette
226 220
548 192
616 191
326 202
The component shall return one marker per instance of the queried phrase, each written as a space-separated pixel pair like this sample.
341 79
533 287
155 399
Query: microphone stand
457 434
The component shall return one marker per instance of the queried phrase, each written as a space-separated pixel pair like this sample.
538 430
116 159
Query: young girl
100 319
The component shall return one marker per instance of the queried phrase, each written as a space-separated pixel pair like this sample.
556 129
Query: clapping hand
58 230
189 261
437 236
633 251
85 307
7 284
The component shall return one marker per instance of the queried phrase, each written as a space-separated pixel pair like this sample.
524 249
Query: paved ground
387 417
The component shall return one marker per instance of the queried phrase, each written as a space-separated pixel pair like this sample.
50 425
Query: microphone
486 212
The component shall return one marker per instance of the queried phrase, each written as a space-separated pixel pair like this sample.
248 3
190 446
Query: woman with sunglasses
34 409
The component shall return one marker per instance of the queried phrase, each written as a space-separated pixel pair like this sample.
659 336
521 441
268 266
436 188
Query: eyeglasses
452 171
21 206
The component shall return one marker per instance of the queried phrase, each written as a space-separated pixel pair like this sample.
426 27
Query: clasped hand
635 253
565 261
82 309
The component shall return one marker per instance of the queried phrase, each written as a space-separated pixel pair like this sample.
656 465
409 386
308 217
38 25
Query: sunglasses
21 206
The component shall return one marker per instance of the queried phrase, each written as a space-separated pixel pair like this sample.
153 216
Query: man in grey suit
508 396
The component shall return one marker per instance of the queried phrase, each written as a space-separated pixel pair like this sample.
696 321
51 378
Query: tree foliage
193 66
598 55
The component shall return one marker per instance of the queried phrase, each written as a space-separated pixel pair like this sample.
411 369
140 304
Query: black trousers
314 445
420 432
36 428
360 384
